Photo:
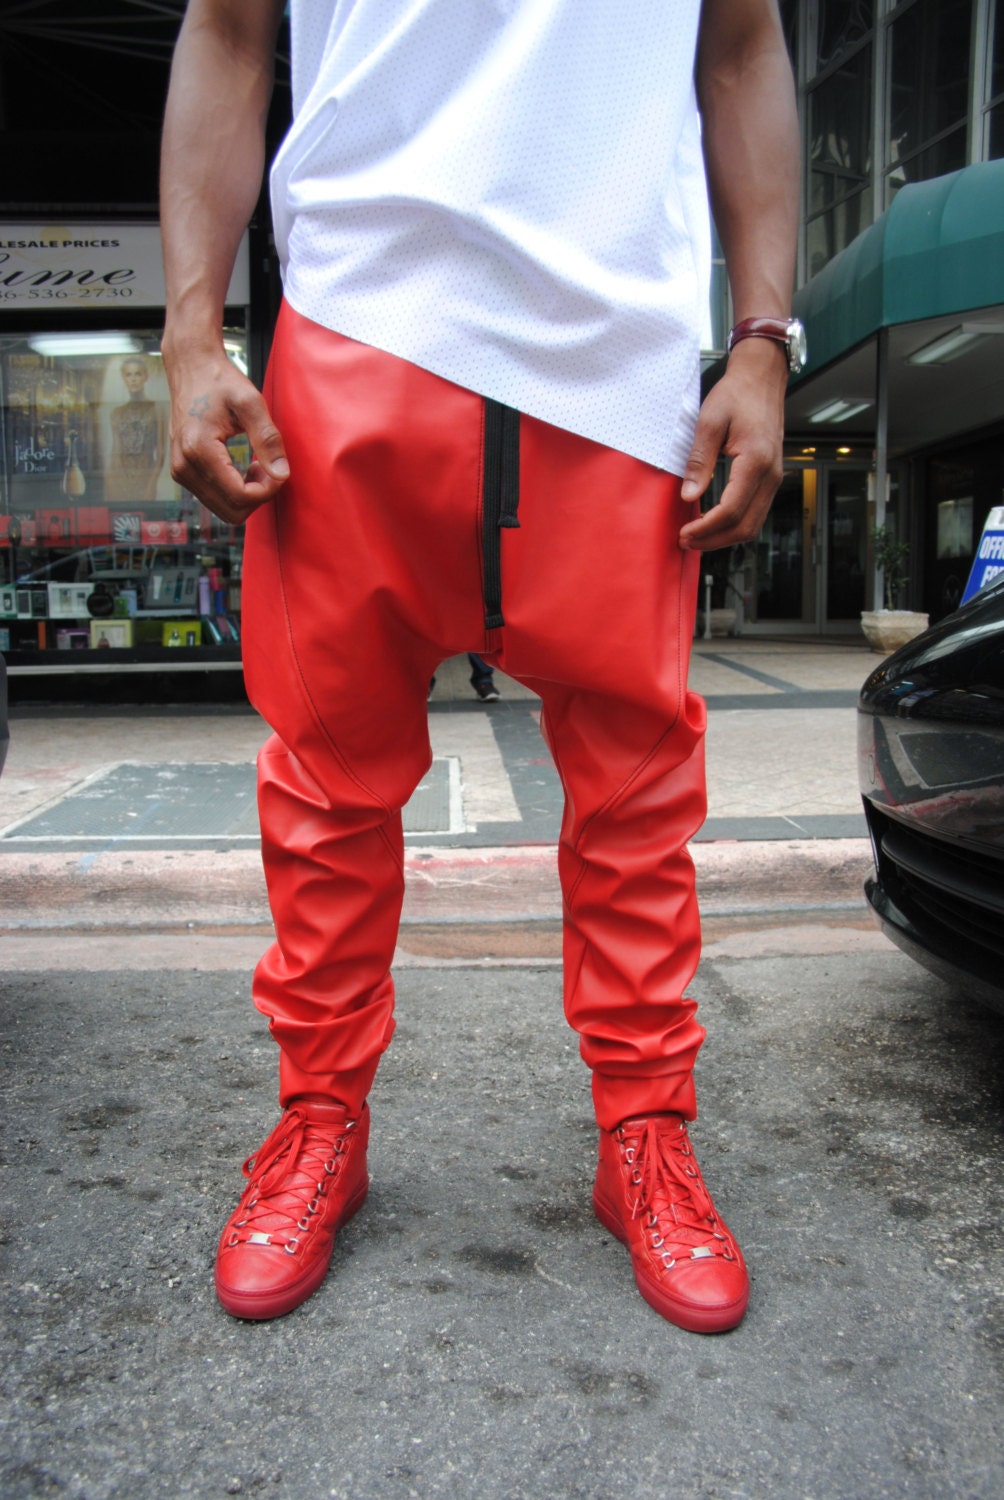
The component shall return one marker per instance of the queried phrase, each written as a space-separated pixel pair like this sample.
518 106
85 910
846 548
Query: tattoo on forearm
199 407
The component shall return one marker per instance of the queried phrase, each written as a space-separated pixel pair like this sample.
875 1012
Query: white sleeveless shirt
511 194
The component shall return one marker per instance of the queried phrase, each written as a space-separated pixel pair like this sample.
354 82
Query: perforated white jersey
509 193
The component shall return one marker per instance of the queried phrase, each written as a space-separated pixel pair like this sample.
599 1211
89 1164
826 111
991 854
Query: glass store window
995 85
963 485
928 92
840 158
839 25
100 550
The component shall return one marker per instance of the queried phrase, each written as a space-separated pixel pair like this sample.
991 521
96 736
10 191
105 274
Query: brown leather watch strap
759 328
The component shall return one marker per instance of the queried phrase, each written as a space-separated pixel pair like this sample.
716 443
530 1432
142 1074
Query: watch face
798 351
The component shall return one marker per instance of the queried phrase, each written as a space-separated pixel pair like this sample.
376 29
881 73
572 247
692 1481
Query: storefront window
995 143
829 233
100 550
840 23
962 488
997 54
840 159
929 91
946 155
996 148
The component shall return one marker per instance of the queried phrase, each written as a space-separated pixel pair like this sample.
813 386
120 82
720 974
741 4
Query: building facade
106 566
898 418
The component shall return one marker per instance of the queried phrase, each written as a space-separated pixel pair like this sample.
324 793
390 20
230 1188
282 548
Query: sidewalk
780 747
145 819
132 833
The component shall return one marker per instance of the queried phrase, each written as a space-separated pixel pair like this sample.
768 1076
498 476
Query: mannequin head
135 370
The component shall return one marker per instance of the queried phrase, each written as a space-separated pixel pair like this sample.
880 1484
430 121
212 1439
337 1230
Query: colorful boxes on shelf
68 601
181 633
94 523
68 639
171 588
163 533
56 528
111 634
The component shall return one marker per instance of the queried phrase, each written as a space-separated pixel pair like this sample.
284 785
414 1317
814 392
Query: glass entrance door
809 571
781 551
845 547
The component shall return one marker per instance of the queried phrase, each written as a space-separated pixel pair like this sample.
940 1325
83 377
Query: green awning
938 249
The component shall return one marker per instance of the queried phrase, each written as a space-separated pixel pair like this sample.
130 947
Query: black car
931 756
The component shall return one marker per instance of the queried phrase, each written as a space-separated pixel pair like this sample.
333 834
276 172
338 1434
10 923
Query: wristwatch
786 331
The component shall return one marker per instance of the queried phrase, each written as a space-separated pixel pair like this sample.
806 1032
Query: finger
264 437
742 509
724 524
201 459
709 439
206 468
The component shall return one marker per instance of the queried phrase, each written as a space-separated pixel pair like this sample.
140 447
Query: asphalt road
479 1333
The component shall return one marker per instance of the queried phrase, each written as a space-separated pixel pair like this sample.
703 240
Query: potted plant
888 628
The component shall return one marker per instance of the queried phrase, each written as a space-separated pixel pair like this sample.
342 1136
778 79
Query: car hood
931 727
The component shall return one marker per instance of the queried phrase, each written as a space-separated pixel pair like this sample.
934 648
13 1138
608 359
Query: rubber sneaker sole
683 1313
259 1306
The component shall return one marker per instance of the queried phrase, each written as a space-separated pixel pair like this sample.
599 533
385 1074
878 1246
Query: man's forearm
213 155
751 150
212 161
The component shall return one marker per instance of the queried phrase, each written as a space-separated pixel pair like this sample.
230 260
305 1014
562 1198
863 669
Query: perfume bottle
73 482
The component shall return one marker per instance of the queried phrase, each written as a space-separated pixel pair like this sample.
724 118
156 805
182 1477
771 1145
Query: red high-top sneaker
650 1193
306 1181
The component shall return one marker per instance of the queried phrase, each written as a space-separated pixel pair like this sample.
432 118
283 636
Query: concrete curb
188 891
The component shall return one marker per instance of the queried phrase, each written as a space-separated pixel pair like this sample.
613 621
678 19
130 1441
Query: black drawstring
500 499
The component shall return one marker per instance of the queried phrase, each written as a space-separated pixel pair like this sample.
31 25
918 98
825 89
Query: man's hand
212 158
749 135
743 417
210 402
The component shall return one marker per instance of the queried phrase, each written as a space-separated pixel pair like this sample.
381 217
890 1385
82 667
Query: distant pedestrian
482 678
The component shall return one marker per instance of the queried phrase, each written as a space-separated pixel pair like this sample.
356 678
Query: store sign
48 266
989 562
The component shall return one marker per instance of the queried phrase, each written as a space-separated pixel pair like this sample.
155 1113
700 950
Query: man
480 428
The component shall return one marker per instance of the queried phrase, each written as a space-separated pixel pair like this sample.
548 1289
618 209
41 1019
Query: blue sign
989 561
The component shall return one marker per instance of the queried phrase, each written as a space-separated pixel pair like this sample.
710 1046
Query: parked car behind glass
931 743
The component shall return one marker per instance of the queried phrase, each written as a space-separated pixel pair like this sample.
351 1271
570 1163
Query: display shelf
54 662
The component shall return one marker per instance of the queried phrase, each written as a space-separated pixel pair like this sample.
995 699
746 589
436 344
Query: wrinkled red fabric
359 580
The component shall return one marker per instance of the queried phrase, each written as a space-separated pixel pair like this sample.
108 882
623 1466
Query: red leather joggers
421 521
